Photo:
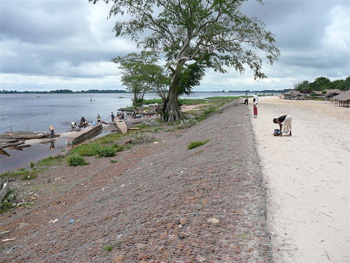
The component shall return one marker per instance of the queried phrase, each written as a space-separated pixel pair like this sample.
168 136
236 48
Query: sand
306 178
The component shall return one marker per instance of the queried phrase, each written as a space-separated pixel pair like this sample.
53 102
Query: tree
141 73
303 86
212 33
321 83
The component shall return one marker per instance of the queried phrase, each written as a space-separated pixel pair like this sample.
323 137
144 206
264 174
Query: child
255 110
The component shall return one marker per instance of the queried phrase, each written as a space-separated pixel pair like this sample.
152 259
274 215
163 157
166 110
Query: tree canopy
208 34
321 84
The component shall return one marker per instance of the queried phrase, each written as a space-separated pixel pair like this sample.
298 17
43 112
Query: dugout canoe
84 134
121 125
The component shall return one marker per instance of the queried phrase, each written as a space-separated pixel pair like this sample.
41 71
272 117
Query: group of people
284 121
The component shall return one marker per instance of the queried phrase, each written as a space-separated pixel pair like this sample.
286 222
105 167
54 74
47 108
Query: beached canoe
83 135
121 125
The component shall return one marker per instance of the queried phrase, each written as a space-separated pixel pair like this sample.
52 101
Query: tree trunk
135 99
171 110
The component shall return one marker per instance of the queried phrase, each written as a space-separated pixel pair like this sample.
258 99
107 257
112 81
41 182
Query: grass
52 160
196 144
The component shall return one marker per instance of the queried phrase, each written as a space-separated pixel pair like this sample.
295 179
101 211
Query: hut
343 99
294 95
330 93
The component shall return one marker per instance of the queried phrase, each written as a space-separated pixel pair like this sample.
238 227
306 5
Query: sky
69 44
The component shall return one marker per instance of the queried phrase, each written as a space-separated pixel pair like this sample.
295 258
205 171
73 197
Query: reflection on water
12 159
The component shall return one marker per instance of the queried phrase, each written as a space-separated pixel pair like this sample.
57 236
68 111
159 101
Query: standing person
255 110
98 119
112 116
285 123
256 98
52 131
246 99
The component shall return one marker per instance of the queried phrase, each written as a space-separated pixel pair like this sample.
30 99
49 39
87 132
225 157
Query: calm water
35 112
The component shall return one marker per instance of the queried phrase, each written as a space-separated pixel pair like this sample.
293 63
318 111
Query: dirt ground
156 202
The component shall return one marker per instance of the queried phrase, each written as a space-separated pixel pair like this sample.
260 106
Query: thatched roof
330 92
293 92
344 96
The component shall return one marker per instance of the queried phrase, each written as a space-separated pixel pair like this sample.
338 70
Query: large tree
212 33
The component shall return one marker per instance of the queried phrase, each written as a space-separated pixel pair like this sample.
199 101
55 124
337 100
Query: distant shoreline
124 91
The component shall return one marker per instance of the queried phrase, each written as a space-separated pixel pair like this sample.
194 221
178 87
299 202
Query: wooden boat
83 135
121 125
26 135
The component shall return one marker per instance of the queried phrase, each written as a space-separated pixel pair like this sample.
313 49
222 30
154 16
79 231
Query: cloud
69 44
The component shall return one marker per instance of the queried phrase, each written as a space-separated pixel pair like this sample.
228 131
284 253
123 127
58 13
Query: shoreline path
159 202
307 178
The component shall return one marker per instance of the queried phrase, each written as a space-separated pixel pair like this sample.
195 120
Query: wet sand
307 179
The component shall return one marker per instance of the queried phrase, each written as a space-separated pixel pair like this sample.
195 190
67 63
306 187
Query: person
112 116
256 98
52 131
82 122
285 123
73 125
255 110
98 119
246 99
52 146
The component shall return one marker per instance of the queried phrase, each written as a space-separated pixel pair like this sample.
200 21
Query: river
35 112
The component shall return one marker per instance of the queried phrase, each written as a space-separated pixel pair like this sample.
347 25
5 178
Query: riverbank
307 179
157 201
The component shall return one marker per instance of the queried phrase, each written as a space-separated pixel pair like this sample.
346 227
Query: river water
35 112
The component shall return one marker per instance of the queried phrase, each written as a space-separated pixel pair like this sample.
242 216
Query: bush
87 149
197 144
75 160
7 202
108 151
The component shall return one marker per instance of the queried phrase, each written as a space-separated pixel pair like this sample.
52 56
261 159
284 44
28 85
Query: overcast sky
68 44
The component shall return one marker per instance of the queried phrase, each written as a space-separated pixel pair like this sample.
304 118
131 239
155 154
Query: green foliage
152 101
196 144
75 160
107 151
52 160
118 147
110 138
321 84
191 36
89 149
7 202
19 173
140 74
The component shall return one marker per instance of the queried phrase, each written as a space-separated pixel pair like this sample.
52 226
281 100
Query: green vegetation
196 144
75 160
187 59
88 149
321 84
52 160
107 151
7 202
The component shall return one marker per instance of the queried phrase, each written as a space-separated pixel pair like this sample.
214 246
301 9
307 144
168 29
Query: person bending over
285 123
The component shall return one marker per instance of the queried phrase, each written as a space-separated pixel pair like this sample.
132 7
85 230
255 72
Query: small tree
140 74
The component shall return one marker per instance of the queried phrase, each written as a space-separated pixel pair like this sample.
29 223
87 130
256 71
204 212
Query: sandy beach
306 178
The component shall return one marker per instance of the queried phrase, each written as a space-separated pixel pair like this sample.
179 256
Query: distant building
294 95
343 99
